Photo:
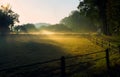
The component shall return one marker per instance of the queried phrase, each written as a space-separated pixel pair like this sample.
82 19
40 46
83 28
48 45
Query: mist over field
68 38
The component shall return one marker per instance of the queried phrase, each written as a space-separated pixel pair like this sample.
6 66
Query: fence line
63 60
30 65
115 49
101 42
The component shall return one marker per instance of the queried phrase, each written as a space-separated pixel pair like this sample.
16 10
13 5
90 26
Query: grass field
29 48
21 49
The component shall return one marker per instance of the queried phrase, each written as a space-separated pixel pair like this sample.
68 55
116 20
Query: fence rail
112 50
101 42
62 64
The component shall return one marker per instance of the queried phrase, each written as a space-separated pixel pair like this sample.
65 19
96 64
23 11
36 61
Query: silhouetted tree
113 16
25 28
96 11
105 11
7 19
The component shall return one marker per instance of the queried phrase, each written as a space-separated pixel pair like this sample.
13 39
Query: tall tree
7 19
77 22
113 16
95 10
106 11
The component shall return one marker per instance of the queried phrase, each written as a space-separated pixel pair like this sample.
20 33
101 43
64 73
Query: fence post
119 49
109 44
102 43
108 61
96 41
63 73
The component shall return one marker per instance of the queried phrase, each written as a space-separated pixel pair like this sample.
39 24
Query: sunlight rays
72 43
47 32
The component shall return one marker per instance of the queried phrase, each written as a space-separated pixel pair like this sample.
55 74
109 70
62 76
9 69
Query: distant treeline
101 16
74 22
25 28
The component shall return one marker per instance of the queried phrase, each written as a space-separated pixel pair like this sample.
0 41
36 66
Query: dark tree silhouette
25 28
7 19
95 10
113 16
104 11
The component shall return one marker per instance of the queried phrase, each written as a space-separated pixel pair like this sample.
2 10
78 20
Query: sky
41 11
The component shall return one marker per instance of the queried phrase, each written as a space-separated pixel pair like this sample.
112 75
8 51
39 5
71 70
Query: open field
25 49
30 48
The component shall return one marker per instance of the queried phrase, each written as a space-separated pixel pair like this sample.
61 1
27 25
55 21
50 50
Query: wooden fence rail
103 43
63 63
63 60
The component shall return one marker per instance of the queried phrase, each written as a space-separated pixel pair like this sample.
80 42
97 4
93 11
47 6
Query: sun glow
36 11
47 32
5 7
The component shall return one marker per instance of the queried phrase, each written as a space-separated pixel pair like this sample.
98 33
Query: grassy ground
42 47
30 48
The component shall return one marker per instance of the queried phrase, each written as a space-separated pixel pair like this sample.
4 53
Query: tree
25 28
30 27
78 23
7 19
104 11
113 16
57 28
95 10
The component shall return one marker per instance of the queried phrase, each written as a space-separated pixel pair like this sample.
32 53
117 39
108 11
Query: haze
35 11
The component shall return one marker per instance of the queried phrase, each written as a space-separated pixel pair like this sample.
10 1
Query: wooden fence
61 70
111 48
60 67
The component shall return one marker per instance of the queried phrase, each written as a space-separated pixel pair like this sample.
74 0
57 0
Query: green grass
30 48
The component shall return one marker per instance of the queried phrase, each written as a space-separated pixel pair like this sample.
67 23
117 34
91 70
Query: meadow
28 48
21 49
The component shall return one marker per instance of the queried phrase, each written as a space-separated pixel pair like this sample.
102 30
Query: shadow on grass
20 53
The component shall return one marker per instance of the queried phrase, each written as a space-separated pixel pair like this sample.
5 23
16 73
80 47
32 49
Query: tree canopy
77 22
7 19
25 28
103 12
56 28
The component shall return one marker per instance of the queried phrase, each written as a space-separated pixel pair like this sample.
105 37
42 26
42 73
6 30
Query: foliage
77 22
100 11
7 19
113 16
92 9
57 27
25 28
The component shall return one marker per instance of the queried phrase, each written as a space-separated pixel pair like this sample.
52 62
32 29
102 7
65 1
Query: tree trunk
4 31
102 6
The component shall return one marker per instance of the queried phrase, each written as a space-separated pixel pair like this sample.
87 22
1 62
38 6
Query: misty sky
35 11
